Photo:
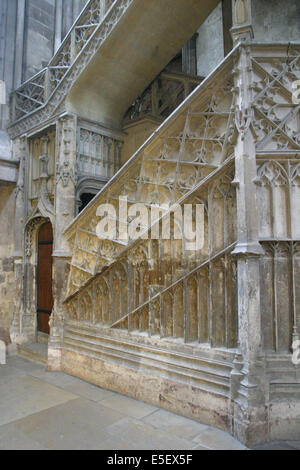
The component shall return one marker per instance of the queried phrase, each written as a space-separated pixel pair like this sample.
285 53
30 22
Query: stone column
8 33
189 56
58 25
241 21
77 7
20 35
227 25
19 152
64 214
249 410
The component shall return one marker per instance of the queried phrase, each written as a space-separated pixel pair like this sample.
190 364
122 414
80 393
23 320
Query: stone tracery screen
278 192
98 155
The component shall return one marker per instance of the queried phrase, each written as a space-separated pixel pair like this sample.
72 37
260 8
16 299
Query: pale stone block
218 440
2 353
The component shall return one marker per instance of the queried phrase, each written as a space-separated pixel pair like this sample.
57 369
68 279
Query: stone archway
28 319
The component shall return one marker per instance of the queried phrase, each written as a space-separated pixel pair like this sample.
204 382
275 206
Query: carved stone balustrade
98 155
162 97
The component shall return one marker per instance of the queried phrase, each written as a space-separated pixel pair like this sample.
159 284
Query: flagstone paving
42 410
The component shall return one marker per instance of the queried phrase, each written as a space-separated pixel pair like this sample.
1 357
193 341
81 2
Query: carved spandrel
277 117
157 181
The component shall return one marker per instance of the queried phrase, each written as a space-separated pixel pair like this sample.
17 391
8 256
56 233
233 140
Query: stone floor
42 410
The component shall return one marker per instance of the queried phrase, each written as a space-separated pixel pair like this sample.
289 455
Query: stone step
37 352
43 338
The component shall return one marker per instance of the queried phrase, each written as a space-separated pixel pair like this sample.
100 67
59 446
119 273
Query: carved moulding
43 211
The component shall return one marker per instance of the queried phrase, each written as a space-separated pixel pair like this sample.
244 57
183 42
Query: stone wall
7 203
40 26
275 20
210 45
272 20
70 11
46 23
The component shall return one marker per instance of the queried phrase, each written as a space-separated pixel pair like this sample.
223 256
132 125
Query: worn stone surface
218 440
131 407
71 422
24 396
155 390
280 445
2 353
7 294
210 47
271 23
172 423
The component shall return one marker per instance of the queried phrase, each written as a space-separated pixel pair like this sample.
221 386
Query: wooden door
44 277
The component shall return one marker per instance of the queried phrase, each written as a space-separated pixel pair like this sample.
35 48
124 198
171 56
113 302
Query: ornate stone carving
31 228
273 174
198 141
63 77
162 97
29 97
276 121
295 175
65 174
98 155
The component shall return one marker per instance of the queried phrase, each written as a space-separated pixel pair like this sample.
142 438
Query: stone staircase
81 57
151 286
36 92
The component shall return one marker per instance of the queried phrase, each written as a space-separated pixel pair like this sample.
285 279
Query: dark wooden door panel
44 277
43 322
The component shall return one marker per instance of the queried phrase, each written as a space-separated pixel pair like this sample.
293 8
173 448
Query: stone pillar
8 27
249 408
64 214
189 56
66 16
227 25
241 21
58 25
19 152
77 7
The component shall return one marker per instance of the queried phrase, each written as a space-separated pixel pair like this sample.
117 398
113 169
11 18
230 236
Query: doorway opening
44 278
